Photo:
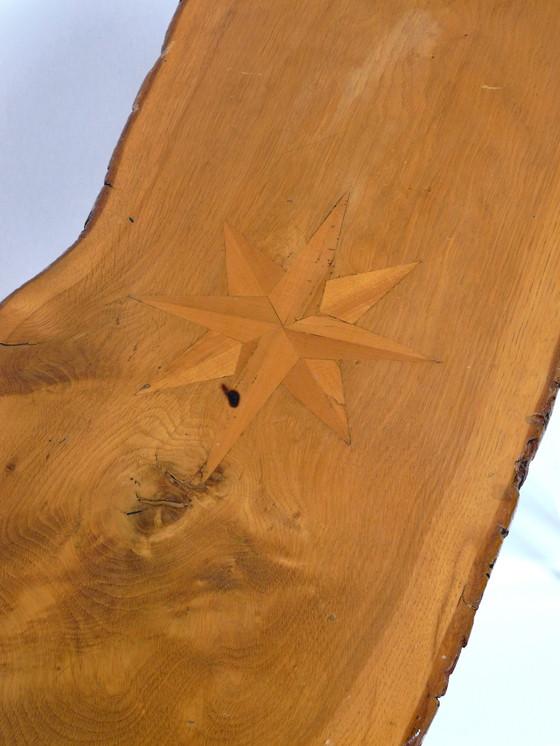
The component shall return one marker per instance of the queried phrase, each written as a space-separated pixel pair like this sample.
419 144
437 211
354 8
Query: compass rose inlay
279 327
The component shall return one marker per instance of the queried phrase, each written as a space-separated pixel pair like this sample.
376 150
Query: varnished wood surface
301 567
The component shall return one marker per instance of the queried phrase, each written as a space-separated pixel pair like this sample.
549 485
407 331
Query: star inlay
279 327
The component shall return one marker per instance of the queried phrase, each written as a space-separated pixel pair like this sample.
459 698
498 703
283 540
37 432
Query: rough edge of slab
458 632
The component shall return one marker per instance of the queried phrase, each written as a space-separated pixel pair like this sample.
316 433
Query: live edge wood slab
264 425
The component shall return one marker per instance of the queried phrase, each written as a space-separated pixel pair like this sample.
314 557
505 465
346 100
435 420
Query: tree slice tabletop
265 423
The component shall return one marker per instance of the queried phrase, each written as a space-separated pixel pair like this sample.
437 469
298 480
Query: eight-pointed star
278 327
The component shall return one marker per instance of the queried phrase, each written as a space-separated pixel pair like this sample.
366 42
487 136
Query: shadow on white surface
69 74
504 689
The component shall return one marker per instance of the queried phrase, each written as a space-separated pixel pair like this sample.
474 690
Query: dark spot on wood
154 518
233 396
11 466
131 219
522 470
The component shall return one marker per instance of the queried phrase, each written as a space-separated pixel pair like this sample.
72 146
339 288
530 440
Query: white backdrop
69 72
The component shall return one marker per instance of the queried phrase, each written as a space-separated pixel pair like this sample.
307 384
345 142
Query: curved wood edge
458 632
18 301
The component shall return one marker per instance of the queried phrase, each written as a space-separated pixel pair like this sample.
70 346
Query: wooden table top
265 423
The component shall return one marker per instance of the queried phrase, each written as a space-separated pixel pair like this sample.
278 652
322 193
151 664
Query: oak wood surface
264 425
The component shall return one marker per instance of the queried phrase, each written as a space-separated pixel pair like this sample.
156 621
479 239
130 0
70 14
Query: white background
69 72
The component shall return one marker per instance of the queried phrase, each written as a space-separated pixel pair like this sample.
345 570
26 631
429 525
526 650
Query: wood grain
302 566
